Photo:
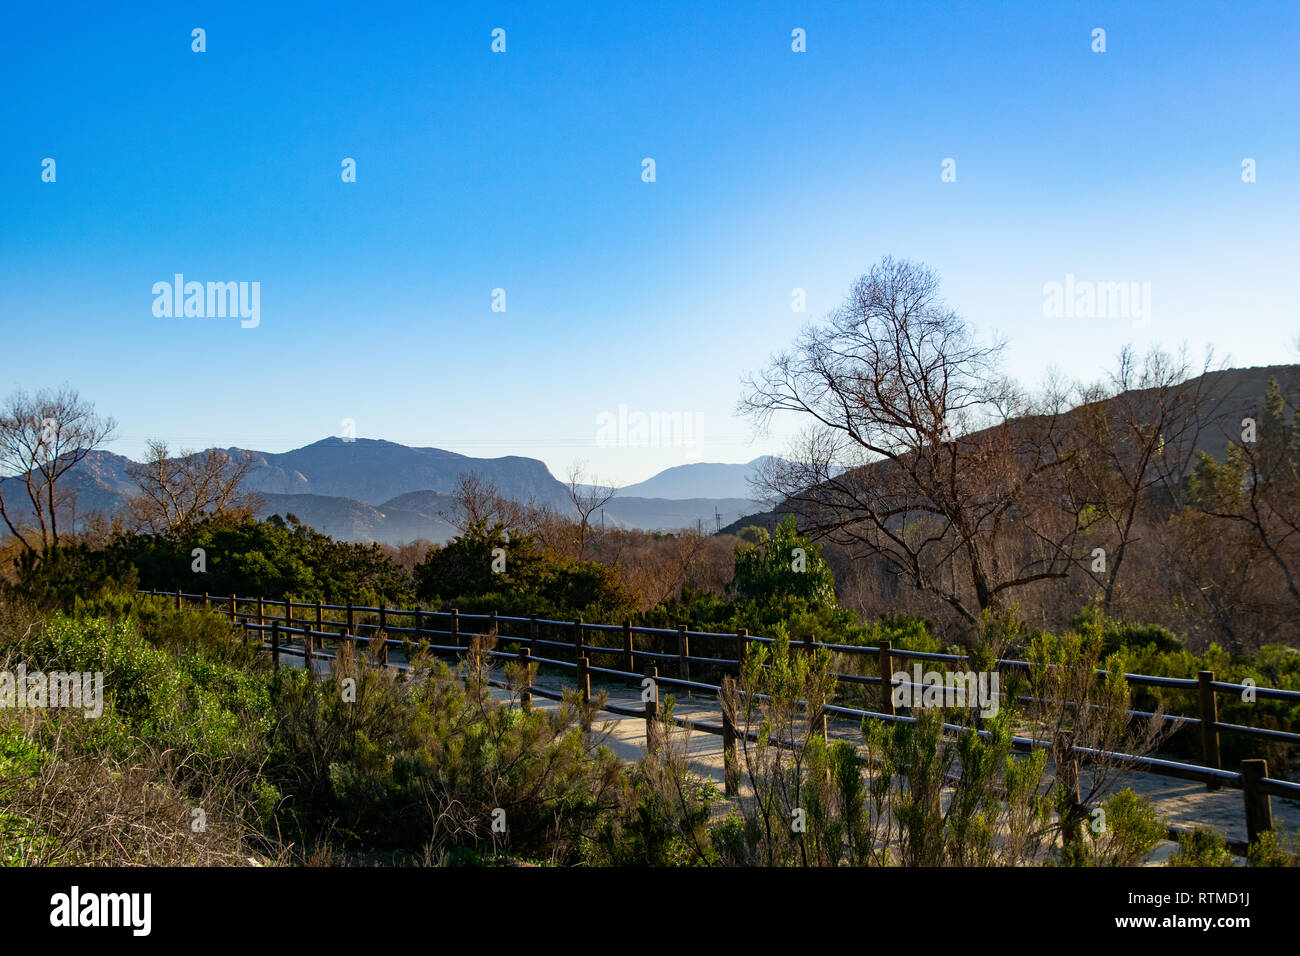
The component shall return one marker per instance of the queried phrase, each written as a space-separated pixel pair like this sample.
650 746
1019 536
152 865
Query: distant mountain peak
700 480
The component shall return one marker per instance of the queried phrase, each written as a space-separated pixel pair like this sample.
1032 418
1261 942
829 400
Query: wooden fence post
584 679
288 619
683 656
652 713
494 626
207 602
578 649
308 650
886 660
178 597
1209 713
1259 807
310 645
627 648
261 612
525 691
232 609
275 645
455 627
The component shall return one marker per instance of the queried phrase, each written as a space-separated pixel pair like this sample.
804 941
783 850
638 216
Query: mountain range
373 490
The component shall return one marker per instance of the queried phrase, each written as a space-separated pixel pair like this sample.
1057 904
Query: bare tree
920 453
587 498
476 500
1139 430
553 528
178 493
42 438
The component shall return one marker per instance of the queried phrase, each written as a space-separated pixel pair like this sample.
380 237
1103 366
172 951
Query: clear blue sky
522 171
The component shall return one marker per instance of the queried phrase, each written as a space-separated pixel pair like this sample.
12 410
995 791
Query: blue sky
775 170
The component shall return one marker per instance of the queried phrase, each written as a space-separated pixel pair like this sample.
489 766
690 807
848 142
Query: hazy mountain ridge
371 490
376 471
699 480
670 514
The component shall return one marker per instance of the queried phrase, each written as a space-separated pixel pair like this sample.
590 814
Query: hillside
98 485
1228 397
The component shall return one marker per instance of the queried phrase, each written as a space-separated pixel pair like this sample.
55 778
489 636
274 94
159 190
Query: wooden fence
568 645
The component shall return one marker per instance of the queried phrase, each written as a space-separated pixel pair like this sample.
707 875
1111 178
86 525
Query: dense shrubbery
421 763
782 588
367 764
410 766
183 726
70 572
520 578
1156 652
272 559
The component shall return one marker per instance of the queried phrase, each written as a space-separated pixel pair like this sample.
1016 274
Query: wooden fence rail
1253 780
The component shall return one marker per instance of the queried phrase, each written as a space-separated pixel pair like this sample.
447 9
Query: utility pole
717 519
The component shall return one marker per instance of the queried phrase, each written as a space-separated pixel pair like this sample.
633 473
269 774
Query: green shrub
141 680
1267 850
772 570
423 761
20 760
534 580
663 811
1201 847
1123 834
